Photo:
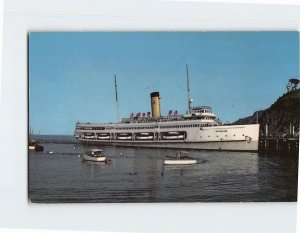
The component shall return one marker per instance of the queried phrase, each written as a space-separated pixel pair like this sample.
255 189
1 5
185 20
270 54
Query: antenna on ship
188 88
117 101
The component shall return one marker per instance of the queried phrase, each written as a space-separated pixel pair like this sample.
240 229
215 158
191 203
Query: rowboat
181 158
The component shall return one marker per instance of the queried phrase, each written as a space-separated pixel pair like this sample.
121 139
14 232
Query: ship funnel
155 104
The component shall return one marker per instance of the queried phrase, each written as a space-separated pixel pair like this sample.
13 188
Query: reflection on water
139 175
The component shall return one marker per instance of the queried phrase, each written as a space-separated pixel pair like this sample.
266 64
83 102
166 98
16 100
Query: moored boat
34 146
95 155
181 158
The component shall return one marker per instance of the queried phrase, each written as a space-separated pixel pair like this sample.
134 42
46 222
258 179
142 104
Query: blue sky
71 74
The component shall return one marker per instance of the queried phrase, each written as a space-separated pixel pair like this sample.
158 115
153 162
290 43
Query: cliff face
283 113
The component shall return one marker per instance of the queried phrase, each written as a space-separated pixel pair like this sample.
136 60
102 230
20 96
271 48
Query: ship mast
188 88
117 101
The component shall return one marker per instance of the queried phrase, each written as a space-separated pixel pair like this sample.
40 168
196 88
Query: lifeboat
173 135
144 136
103 136
89 136
124 136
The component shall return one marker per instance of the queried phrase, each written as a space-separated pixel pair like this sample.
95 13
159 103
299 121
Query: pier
279 143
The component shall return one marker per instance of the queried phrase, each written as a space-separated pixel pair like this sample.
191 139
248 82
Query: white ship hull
226 137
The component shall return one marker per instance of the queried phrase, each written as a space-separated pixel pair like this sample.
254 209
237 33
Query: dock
277 143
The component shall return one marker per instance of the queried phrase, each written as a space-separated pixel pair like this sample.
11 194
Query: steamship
199 128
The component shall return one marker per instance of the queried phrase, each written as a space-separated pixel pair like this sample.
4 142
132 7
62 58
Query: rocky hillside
285 111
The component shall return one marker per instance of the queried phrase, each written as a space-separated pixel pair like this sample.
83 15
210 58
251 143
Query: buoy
133 173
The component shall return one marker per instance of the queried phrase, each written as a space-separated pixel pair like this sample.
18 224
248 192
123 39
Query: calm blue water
217 177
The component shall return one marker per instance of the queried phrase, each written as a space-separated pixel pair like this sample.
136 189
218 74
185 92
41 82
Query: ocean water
138 175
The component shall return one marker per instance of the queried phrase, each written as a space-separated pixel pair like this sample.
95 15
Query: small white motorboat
95 155
181 158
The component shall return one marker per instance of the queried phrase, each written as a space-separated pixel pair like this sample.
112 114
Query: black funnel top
154 94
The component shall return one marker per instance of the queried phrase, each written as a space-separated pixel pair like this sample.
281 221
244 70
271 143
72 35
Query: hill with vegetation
280 116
